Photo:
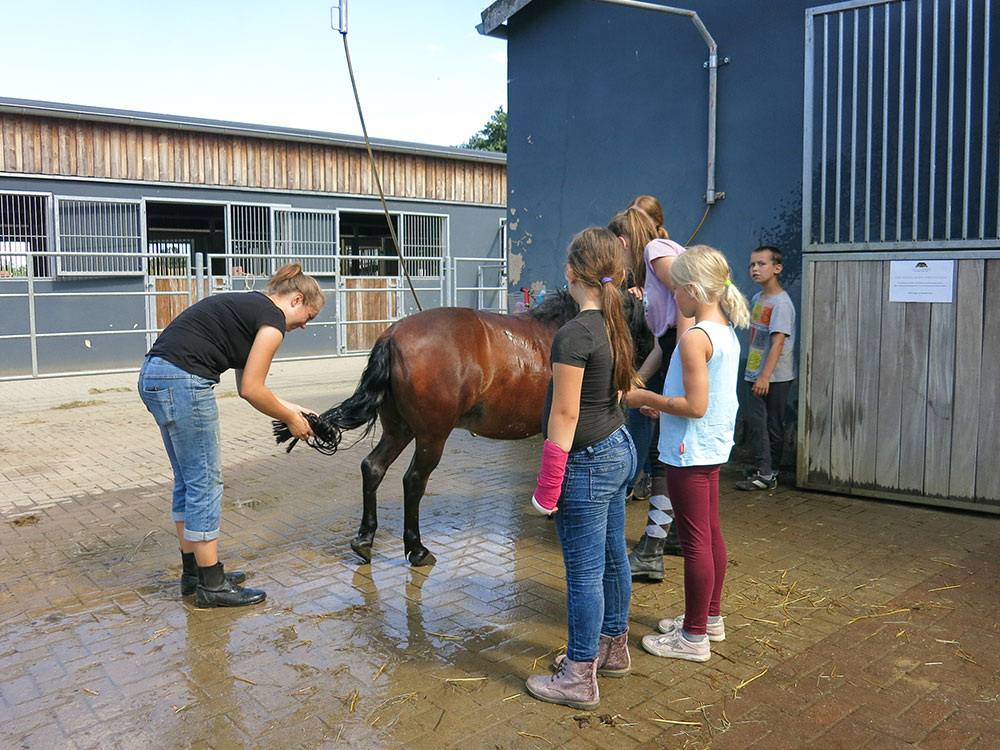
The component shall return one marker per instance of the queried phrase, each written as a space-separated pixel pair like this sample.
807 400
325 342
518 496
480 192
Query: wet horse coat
437 370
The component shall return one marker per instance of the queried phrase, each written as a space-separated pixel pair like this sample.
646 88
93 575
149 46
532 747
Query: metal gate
93 259
481 281
901 146
901 164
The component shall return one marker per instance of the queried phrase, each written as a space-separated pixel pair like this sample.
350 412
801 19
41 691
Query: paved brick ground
850 623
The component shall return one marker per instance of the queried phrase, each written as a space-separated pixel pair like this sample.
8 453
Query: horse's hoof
421 557
363 549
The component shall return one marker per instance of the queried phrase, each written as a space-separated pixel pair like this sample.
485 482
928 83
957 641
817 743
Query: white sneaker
676 646
716 630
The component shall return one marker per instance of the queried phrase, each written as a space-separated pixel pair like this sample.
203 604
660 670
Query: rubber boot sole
578 705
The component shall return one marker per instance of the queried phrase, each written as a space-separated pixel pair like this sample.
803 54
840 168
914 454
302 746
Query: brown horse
432 372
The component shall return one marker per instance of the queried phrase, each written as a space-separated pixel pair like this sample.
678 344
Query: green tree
493 136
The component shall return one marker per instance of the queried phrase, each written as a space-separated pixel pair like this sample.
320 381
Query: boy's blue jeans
591 526
184 407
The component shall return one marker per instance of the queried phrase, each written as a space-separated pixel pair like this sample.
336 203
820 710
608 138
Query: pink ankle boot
574 685
613 659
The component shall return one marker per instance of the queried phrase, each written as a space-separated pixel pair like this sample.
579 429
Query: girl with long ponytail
651 251
587 459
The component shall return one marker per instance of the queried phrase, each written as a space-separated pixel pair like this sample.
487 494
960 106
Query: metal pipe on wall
713 68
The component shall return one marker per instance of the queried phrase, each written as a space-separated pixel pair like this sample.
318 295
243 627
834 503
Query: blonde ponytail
734 305
706 272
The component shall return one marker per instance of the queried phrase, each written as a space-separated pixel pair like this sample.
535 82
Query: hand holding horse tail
326 435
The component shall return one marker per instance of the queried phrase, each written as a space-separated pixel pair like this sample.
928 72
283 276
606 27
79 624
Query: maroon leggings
694 492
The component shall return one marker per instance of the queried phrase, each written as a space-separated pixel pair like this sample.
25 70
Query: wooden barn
860 137
112 222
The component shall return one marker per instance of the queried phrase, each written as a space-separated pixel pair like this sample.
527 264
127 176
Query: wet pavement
850 623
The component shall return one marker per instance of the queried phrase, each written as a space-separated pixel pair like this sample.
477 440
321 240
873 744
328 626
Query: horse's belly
503 422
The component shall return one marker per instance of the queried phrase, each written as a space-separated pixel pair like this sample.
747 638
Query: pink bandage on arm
550 478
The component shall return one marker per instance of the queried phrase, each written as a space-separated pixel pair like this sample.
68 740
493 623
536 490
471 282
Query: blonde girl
697 415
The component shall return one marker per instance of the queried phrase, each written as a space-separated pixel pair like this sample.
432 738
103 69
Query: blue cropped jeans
185 410
591 526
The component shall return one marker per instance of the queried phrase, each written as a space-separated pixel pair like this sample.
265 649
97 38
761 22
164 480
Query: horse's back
482 371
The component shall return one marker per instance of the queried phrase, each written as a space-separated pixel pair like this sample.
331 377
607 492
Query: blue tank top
706 441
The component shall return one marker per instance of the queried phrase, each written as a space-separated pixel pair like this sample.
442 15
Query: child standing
698 414
587 459
770 368
666 324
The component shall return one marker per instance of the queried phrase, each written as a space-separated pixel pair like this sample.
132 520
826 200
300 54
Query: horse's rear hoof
363 549
419 558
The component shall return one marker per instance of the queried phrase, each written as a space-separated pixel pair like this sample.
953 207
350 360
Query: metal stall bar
934 103
885 122
823 148
949 178
840 127
916 119
986 98
968 122
868 157
854 128
902 120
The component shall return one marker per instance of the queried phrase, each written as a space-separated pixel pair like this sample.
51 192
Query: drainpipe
711 196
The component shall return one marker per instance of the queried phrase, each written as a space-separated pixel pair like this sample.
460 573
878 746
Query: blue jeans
645 430
591 526
184 407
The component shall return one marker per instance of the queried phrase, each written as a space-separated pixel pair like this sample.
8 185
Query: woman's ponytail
289 279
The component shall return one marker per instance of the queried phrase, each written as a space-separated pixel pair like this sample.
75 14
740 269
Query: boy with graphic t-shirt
770 368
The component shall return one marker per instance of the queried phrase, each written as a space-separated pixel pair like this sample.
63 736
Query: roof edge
154 120
495 16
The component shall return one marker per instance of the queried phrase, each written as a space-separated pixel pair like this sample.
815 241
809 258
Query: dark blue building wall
608 102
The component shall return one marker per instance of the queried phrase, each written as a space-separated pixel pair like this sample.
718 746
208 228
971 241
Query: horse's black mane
558 307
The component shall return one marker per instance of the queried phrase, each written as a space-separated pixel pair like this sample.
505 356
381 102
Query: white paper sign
922 281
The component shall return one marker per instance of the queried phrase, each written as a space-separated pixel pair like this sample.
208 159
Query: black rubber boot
672 544
216 590
189 575
646 558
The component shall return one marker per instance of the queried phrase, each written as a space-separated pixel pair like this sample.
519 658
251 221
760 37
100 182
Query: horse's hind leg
373 469
425 460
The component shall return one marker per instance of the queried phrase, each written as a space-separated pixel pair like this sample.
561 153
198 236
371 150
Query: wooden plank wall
169 306
41 145
901 397
378 304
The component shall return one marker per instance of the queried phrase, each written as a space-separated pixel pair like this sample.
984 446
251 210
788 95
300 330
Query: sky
423 72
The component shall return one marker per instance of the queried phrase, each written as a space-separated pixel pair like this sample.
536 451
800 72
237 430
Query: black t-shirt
216 334
583 342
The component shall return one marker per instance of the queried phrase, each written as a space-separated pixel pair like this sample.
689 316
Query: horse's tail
359 409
